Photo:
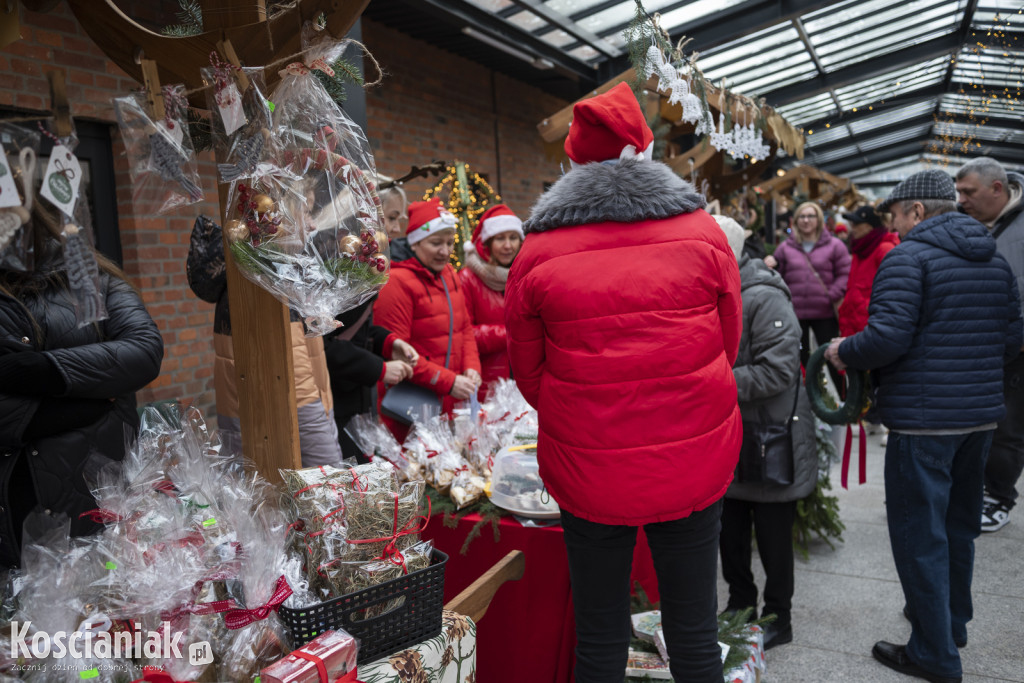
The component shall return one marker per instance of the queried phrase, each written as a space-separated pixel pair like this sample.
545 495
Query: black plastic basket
418 618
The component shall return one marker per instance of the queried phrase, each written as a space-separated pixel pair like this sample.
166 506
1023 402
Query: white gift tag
229 102
61 180
176 134
8 190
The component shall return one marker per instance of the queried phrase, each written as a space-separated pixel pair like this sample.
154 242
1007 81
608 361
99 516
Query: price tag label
229 102
8 190
62 179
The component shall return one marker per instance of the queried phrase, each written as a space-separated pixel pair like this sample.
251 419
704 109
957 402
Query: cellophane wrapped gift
377 441
304 219
17 246
432 445
509 417
477 442
334 651
161 159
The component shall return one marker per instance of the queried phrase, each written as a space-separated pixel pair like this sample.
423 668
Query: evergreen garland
344 72
488 511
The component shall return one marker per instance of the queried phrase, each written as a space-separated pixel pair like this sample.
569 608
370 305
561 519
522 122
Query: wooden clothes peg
228 50
151 79
59 102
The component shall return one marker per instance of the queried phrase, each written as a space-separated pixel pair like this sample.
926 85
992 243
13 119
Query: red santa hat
609 127
427 218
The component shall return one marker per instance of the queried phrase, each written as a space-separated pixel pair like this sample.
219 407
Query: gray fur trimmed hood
623 192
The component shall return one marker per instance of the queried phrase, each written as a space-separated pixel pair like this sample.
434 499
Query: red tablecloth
529 632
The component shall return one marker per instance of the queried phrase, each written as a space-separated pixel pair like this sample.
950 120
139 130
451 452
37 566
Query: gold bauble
350 244
264 204
236 231
379 256
382 239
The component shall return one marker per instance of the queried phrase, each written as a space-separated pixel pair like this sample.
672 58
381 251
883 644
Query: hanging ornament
653 61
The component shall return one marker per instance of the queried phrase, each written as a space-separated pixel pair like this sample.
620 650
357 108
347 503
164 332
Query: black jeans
1006 457
824 330
684 553
773 528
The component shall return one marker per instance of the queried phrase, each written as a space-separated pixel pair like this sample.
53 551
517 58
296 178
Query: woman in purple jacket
815 265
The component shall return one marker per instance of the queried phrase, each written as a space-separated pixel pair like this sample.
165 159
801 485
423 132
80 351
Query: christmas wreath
856 402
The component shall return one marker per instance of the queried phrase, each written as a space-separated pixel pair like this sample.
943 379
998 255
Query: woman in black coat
355 356
67 393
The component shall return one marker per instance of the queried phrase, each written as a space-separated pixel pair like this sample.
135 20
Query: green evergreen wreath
856 391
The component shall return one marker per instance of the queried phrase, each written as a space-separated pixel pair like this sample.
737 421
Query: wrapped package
432 445
377 441
304 220
17 175
332 653
161 160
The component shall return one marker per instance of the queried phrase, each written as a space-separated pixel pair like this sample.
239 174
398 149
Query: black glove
59 415
31 373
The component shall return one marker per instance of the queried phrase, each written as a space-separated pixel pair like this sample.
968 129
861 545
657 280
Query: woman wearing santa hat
425 304
496 241
623 314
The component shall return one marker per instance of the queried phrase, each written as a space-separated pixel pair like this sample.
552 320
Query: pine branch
191 18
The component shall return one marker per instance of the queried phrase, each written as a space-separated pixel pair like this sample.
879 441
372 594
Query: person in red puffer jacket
623 313
869 244
496 241
425 304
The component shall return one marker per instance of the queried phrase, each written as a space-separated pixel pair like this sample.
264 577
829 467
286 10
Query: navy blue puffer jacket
943 320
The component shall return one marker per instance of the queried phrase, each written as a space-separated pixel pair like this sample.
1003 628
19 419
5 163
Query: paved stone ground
850 597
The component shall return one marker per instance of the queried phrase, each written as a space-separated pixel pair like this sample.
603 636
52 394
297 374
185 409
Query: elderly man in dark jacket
944 319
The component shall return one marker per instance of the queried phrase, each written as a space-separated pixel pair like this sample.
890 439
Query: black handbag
766 456
406 402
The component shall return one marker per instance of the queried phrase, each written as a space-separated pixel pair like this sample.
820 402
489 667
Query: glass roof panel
981 105
840 48
825 135
903 113
975 131
1003 13
491 5
782 36
892 83
811 109
777 79
692 11
618 14
833 154
528 21
570 7
868 143
585 53
557 38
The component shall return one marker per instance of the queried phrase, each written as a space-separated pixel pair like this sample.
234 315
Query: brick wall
433 104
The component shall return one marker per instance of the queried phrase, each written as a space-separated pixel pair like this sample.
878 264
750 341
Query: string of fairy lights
479 196
958 137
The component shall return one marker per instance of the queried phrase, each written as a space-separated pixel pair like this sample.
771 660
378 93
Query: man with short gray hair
944 318
996 198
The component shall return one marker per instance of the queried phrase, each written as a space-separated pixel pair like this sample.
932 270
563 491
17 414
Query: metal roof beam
569 26
880 156
861 71
463 14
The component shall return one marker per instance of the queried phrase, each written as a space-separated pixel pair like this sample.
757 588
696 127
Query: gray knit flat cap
922 185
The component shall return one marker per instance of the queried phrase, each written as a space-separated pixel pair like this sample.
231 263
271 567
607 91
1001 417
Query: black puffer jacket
109 361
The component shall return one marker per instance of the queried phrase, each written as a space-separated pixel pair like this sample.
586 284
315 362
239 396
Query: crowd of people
650 341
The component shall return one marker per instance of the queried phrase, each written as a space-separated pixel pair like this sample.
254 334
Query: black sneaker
994 515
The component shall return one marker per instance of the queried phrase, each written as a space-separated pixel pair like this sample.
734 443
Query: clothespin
151 79
228 50
59 102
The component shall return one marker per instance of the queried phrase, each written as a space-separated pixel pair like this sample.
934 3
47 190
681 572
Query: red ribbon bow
152 674
101 516
391 553
321 670
240 618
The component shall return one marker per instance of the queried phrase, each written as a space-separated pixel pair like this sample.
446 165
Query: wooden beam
126 43
476 598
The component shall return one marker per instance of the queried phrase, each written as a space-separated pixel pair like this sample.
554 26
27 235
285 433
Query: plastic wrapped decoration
61 210
304 220
161 160
17 172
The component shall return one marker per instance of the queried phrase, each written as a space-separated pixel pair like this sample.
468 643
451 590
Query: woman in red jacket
424 304
496 241
623 314
869 244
